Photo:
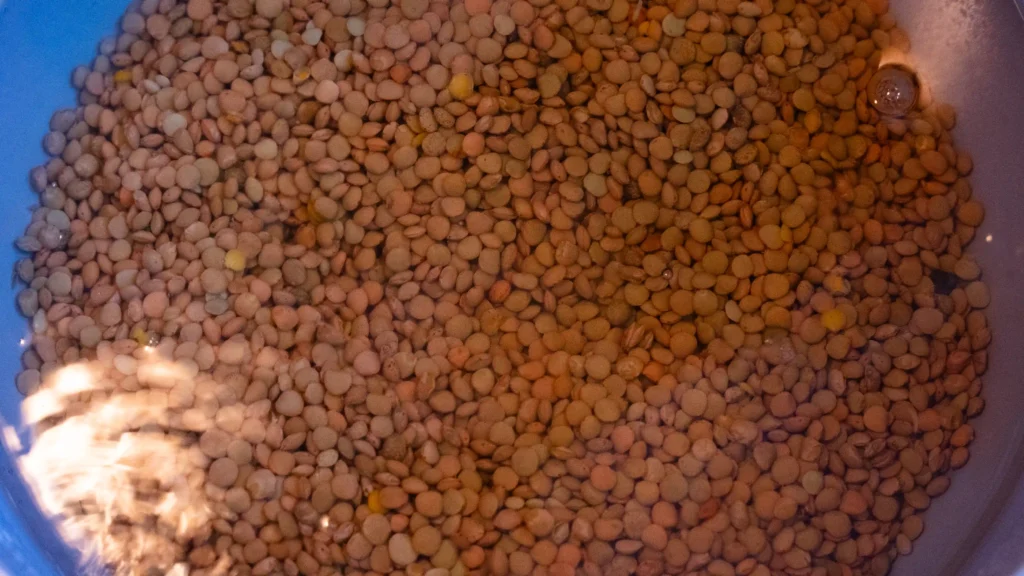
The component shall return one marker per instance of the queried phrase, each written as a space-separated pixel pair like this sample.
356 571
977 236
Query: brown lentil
519 286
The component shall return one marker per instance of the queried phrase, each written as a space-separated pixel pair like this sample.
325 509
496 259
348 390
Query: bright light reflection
99 457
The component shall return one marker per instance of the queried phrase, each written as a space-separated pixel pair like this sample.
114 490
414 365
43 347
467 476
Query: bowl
967 52
43 47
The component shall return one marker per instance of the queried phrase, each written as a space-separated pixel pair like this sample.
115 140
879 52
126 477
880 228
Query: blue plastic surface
41 42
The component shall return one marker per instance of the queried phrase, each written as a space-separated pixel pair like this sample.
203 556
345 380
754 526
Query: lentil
518 286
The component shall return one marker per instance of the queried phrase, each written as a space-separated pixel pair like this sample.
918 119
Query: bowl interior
41 47
968 52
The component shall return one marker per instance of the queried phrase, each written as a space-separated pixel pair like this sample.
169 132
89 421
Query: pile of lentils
527 287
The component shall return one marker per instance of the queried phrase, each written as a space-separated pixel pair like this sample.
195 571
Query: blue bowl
41 43
969 52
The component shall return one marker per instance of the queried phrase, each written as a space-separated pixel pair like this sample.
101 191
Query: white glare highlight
119 484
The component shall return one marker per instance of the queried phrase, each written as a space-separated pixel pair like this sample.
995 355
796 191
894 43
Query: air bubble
893 90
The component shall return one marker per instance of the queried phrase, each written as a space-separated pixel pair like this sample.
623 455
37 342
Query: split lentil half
520 287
